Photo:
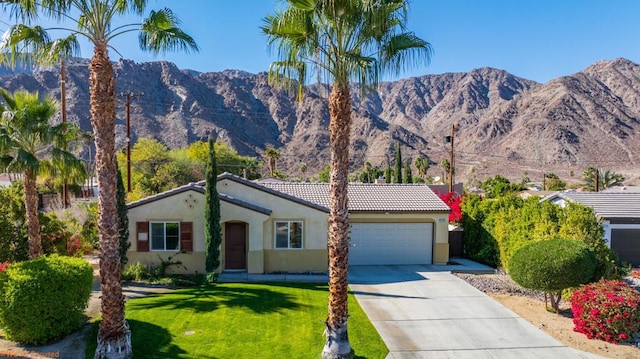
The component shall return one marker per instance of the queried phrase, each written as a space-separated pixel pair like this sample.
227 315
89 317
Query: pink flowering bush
608 310
3 266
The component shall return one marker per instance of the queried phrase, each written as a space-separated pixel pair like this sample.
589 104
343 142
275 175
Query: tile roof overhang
604 204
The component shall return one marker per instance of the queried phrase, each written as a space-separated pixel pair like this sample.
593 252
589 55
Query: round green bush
44 299
552 265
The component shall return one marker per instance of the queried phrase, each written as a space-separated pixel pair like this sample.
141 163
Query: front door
235 246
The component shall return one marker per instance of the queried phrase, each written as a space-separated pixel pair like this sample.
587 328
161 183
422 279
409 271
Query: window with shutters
165 236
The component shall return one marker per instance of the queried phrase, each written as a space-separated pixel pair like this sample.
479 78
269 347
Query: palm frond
21 43
405 50
160 33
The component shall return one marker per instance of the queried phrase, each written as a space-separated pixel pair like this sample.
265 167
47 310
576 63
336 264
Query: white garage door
391 243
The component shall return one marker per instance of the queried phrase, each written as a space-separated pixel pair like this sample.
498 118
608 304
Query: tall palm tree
446 168
422 164
158 33
31 145
272 155
345 40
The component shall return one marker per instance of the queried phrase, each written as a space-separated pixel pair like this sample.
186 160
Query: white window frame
288 222
164 223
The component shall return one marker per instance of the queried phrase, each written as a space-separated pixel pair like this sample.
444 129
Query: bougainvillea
606 310
3 266
453 200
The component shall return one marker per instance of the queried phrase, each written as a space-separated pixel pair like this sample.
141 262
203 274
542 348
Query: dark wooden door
235 246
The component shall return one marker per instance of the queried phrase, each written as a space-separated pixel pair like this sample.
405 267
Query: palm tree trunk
337 340
114 336
31 207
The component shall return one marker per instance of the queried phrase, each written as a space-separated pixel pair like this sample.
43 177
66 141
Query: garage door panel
391 243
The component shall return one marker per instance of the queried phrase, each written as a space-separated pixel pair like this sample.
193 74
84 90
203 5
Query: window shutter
186 236
142 236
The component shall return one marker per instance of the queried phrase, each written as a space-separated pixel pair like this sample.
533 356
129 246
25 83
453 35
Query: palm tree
29 144
158 33
272 155
606 179
446 167
422 164
344 40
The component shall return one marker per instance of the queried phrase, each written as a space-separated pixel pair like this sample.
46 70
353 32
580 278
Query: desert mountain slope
505 124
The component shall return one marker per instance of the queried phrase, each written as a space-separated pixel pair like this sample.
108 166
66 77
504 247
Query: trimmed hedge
552 266
44 299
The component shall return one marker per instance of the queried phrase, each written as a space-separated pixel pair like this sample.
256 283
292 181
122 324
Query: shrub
3 266
552 266
607 310
54 234
137 272
44 299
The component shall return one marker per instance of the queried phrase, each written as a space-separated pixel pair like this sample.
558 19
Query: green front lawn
233 320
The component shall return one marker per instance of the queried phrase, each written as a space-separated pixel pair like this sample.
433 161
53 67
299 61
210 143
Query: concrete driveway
426 312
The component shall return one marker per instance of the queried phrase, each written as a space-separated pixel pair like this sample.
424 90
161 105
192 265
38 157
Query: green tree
553 182
213 232
606 179
123 219
422 164
398 165
408 176
14 244
272 156
29 144
344 40
552 266
579 222
370 173
93 19
446 168
387 172
323 176
499 186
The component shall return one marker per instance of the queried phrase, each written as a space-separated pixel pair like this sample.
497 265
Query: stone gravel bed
501 283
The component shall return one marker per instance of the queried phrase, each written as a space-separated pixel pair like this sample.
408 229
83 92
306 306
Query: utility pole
128 111
597 179
63 110
451 158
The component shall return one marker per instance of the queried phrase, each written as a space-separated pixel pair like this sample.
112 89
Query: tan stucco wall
187 206
262 256
440 228
192 263
296 260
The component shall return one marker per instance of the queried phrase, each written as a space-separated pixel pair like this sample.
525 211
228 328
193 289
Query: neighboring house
622 189
620 213
282 227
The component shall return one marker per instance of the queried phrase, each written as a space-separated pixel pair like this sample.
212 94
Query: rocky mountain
504 124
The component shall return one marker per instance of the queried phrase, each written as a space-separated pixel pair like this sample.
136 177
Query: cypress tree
408 177
398 168
213 233
123 219
387 172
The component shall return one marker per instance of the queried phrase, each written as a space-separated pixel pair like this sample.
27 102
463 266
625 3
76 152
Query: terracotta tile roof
605 204
368 197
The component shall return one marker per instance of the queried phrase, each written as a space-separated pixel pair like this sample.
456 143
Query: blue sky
534 39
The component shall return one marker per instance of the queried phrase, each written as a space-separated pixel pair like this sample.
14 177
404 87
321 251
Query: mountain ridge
504 124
